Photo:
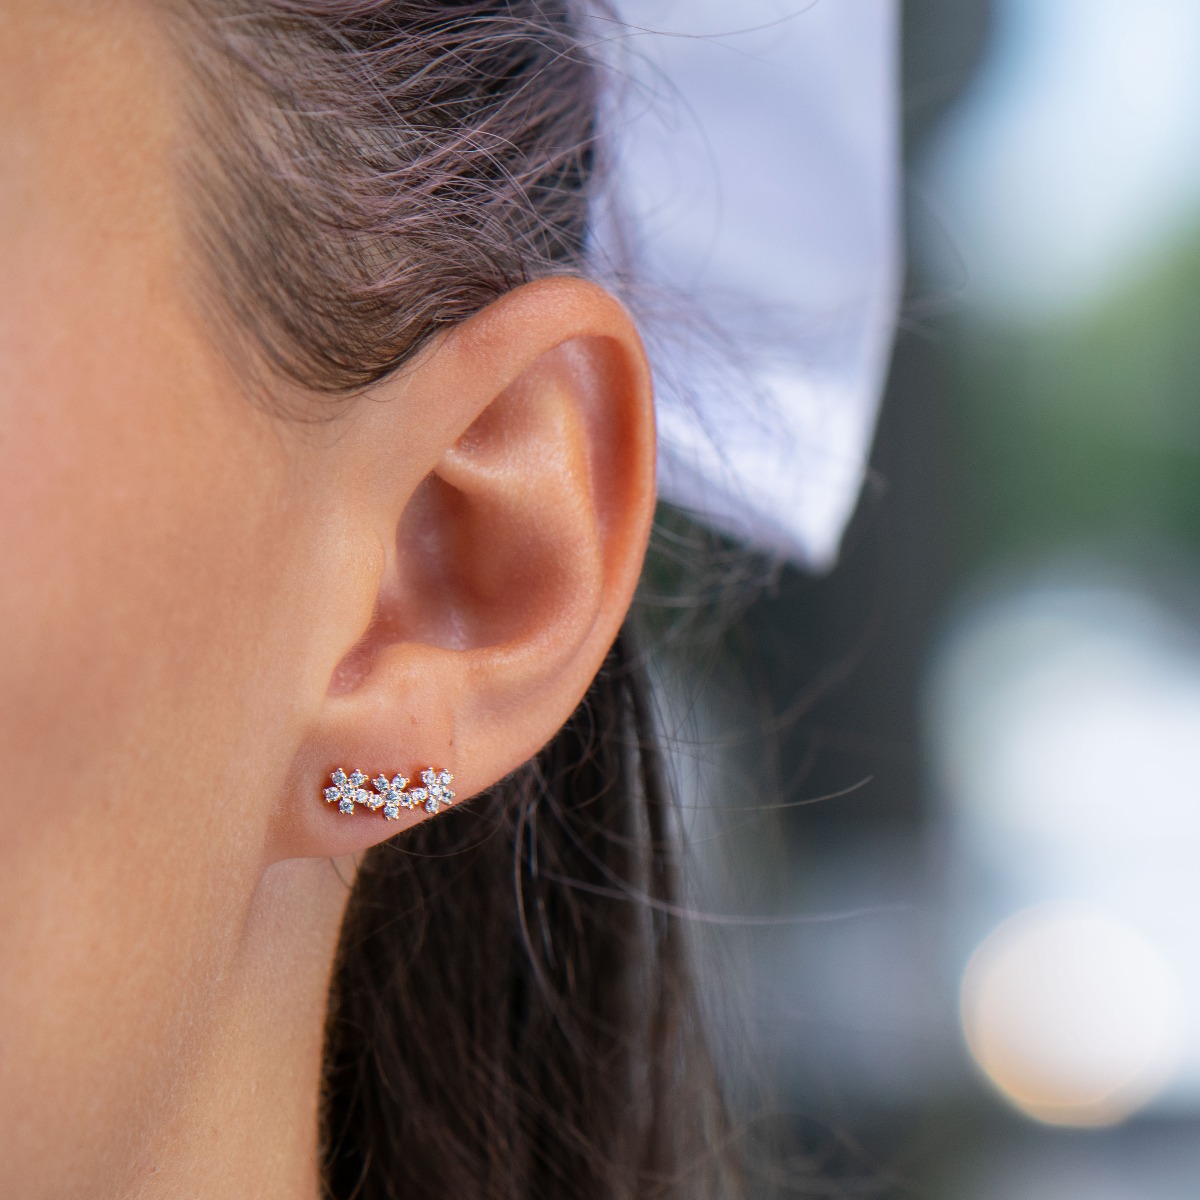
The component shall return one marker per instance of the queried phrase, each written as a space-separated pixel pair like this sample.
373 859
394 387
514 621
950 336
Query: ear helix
391 795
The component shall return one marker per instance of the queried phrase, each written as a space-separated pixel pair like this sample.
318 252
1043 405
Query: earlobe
511 553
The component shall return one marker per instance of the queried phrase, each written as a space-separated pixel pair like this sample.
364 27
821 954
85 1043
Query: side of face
157 542
205 609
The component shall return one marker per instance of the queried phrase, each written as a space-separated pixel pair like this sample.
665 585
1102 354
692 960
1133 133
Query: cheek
147 546
150 540
143 534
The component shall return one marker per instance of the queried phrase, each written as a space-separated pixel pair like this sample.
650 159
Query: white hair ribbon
756 176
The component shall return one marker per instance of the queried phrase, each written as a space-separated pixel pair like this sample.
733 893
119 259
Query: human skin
205 607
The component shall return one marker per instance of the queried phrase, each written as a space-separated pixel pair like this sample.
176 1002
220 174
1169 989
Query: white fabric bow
756 180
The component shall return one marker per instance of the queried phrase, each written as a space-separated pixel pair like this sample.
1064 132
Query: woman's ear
503 490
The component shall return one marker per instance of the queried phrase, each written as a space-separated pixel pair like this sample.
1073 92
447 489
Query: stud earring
390 794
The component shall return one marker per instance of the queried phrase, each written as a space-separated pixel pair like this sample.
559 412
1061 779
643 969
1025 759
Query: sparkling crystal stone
339 778
417 796
391 811
432 805
346 805
380 783
399 783
357 779
332 794
429 777
445 779
447 796
373 802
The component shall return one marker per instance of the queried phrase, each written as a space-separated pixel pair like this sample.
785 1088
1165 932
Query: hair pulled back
511 1017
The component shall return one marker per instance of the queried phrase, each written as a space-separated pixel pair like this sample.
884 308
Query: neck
244 1114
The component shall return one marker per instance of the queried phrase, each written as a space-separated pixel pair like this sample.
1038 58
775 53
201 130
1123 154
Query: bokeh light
1072 1015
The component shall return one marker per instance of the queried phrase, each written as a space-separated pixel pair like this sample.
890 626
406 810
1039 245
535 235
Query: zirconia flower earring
391 795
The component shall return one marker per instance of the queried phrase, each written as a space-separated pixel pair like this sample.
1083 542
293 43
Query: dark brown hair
512 1016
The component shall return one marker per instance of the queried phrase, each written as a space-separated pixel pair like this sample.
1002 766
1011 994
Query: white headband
757 178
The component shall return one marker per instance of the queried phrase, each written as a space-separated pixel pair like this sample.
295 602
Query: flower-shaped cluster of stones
437 789
389 794
347 790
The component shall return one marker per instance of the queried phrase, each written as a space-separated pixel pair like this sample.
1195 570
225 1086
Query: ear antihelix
390 795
